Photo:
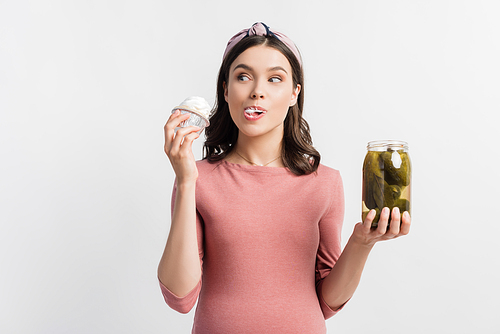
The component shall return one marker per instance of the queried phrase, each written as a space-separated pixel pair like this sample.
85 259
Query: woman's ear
295 95
225 90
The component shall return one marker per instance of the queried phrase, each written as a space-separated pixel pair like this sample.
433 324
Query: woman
255 232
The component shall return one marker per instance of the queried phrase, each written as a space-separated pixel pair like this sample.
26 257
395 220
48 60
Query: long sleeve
185 303
330 228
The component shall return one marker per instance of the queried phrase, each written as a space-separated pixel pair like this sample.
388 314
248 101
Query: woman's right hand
178 147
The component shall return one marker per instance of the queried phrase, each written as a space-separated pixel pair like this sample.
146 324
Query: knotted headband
260 29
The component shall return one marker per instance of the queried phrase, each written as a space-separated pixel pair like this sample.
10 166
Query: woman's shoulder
328 177
206 167
329 182
205 164
326 171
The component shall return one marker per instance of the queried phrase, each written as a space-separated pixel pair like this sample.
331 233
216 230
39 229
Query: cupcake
199 111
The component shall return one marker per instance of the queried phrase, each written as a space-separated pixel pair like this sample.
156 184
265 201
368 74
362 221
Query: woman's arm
180 269
343 279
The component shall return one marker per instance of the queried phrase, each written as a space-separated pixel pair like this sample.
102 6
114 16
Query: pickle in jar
386 181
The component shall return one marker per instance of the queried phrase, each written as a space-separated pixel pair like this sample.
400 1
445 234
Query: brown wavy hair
297 151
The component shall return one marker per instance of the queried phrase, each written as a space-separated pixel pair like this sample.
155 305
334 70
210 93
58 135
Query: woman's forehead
261 56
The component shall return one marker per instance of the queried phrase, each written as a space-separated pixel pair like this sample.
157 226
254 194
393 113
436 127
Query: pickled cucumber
398 175
386 175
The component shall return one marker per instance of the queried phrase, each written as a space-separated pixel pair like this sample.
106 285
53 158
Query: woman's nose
258 92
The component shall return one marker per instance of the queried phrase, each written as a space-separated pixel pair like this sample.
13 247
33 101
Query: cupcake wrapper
193 120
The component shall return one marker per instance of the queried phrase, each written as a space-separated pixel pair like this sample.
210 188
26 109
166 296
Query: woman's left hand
368 236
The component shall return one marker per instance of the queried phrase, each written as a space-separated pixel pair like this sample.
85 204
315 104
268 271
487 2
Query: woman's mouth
254 113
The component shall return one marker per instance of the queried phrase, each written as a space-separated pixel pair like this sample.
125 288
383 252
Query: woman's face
259 91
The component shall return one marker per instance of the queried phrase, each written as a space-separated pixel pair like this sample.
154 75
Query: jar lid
384 144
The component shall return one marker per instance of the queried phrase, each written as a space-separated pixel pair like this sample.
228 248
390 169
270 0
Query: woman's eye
243 78
275 79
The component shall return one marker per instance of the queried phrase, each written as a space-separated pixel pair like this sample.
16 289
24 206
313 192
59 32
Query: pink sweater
266 240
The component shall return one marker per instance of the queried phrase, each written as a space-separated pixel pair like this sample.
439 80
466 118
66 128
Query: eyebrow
248 68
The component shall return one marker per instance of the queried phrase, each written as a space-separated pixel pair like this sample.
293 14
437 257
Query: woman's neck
259 151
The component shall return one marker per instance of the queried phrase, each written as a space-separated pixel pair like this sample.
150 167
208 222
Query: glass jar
386 177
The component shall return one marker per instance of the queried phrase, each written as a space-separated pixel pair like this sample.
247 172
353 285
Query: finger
173 121
176 118
173 116
367 224
168 126
181 134
395 223
170 135
383 221
405 224
188 141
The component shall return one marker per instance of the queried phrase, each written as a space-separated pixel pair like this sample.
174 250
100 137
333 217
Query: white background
86 87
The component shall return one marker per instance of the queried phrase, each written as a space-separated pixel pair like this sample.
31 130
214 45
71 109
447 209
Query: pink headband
261 29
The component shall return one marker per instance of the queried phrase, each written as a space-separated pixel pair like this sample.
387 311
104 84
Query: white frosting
197 104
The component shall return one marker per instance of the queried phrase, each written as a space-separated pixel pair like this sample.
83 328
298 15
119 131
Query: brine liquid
386 182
